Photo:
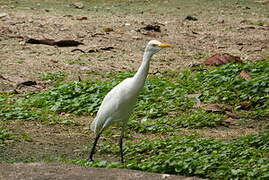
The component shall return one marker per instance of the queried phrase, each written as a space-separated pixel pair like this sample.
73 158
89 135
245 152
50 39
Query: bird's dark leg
93 147
121 150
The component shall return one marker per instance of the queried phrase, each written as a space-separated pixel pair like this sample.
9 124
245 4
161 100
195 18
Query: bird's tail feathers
93 126
98 125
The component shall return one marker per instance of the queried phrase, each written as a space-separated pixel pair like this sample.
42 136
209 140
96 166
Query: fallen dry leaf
245 105
245 75
220 59
209 107
51 42
150 28
191 18
231 114
80 18
227 107
262 2
229 121
214 107
93 50
78 5
28 83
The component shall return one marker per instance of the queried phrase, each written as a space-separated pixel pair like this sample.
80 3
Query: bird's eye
154 45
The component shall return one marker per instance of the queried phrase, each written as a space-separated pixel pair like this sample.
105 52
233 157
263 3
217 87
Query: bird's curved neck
143 70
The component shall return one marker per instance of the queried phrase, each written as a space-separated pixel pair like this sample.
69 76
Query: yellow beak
164 45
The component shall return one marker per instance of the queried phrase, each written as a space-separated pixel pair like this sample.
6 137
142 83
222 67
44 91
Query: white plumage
118 104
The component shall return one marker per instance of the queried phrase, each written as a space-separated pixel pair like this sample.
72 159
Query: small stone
164 176
240 43
191 18
232 115
54 61
229 121
81 18
152 27
3 15
108 29
246 27
221 21
85 68
136 37
68 15
78 5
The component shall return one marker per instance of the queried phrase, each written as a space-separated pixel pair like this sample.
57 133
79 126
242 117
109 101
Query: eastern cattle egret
118 104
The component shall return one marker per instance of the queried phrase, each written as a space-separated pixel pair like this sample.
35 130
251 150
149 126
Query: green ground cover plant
241 158
5 134
160 97
164 107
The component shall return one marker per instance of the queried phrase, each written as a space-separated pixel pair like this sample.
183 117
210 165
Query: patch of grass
163 99
119 76
20 61
203 157
166 60
164 124
16 111
3 98
199 55
76 97
241 158
54 77
199 118
158 98
258 22
9 112
258 114
223 84
5 135
74 61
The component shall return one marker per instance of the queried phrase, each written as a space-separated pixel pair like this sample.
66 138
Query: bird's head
155 46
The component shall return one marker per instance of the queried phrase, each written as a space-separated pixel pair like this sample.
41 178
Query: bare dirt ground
231 28
240 29
57 171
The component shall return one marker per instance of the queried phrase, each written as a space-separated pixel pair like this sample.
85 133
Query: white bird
118 104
